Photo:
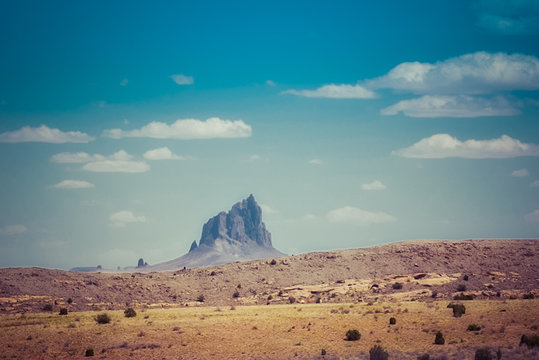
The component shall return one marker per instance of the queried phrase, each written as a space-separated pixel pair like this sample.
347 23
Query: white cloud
441 146
334 91
270 83
477 73
533 216
181 79
13 229
254 158
124 217
520 173
44 134
535 183
266 209
452 106
162 153
349 214
124 82
375 185
316 162
187 129
74 158
73 184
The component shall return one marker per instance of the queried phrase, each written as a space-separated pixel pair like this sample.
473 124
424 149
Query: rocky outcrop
237 235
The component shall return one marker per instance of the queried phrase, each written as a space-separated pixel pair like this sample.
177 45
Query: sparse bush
47 307
433 295
463 297
353 335
461 287
439 339
458 309
212 273
69 301
528 296
323 352
273 262
392 321
102 318
483 354
236 294
474 327
465 278
89 352
424 357
200 298
270 297
397 286
530 340
63 311
291 299
130 312
378 353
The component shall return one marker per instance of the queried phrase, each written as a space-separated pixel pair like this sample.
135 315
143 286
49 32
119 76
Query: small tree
130 312
439 339
392 321
378 353
353 335
63 311
483 354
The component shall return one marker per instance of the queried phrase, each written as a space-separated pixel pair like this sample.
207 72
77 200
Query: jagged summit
236 235
242 224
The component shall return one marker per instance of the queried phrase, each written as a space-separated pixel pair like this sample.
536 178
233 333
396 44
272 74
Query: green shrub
397 286
439 339
47 307
63 311
474 327
102 318
461 287
89 352
378 353
200 298
353 335
458 309
236 294
69 301
392 321
530 340
273 262
130 312
528 296
465 278
291 299
483 354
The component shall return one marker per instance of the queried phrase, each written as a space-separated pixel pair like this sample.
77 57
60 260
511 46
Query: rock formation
237 235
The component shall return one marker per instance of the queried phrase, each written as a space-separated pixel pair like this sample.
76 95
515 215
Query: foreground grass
275 332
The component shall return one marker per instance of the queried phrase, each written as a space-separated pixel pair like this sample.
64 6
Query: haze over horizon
124 129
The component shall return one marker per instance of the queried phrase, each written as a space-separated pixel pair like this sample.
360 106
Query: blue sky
124 128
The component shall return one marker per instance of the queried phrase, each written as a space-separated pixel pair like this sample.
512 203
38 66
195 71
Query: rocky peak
242 224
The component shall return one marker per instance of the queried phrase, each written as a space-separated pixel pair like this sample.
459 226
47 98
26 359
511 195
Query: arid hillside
400 271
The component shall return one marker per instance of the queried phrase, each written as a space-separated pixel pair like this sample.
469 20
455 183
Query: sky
124 128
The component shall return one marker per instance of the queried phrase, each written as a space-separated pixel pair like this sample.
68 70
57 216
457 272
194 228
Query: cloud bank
441 146
44 134
185 129
357 216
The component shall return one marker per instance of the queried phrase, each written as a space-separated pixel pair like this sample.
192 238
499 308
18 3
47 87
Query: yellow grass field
275 332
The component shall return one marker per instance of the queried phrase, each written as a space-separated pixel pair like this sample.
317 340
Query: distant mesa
87 268
237 235
141 263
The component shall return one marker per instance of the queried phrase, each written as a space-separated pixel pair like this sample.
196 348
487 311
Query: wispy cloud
441 146
357 216
535 183
375 185
13 229
124 217
44 134
181 79
73 184
333 91
533 216
266 209
162 153
476 73
509 16
270 83
316 162
520 173
452 106
74 158
124 82
187 129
